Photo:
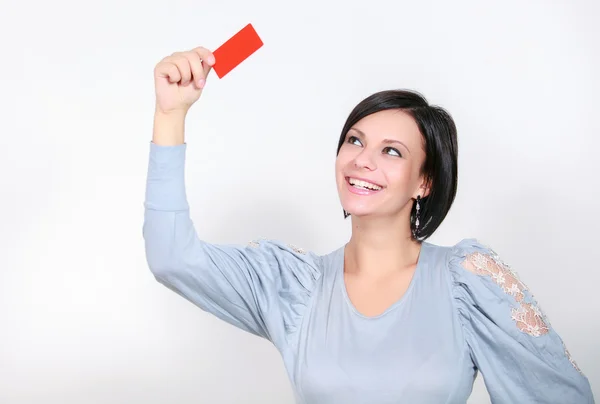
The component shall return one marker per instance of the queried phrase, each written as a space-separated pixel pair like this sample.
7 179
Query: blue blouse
465 311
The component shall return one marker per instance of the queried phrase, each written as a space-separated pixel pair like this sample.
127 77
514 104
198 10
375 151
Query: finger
207 56
185 69
207 69
169 71
198 74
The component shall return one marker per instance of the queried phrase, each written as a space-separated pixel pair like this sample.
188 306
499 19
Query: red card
237 49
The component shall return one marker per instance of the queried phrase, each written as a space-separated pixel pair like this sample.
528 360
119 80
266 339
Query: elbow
159 245
168 247
161 269
163 263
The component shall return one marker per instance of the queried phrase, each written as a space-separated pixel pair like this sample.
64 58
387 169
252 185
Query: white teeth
363 184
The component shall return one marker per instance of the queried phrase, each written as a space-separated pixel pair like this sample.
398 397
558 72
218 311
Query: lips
362 186
363 183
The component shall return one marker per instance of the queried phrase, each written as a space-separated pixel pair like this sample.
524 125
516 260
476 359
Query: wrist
170 114
169 127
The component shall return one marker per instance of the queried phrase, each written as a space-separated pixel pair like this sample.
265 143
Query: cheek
397 173
339 166
342 160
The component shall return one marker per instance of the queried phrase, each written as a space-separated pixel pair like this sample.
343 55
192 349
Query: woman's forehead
389 125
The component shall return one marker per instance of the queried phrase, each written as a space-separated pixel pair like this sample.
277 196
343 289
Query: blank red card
237 49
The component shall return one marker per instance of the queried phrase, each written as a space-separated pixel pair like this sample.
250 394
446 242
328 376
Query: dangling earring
417 215
346 214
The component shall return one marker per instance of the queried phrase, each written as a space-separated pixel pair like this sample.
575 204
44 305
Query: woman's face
378 165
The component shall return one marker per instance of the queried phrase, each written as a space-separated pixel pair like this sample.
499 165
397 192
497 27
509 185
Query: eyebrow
387 141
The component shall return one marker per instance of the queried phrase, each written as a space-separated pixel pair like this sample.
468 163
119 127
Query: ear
424 189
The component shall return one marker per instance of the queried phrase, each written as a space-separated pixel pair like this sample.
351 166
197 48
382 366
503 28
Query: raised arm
262 287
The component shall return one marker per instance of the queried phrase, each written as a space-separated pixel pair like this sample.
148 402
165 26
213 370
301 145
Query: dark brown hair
441 149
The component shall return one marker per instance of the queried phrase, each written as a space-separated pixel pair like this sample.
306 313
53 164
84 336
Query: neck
381 245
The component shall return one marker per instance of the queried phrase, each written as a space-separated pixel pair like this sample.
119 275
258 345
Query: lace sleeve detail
491 296
510 339
528 315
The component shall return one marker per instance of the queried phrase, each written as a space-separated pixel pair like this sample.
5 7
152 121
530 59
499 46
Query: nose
365 159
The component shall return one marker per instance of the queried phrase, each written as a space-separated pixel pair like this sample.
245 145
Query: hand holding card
181 76
235 50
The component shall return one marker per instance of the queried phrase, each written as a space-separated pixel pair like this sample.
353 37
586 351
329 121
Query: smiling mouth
364 185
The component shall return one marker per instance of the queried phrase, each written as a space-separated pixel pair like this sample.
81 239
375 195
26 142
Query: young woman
386 318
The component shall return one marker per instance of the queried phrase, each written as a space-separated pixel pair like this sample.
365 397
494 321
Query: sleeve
521 357
262 287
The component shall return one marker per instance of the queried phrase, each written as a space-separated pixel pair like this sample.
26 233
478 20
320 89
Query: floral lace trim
297 249
570 358
528 316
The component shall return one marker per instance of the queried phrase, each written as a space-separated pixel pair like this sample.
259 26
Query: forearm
165 204
169 128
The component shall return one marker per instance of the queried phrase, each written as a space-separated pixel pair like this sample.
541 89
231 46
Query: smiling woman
388 317
410 152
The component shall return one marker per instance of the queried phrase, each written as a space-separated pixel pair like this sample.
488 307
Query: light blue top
464 311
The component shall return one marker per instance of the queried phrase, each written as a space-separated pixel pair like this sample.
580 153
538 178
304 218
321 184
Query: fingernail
211 60
201 83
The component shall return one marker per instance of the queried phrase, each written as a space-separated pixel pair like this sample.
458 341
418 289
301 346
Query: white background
82 320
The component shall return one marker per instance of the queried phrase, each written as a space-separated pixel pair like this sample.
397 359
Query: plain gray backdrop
81 318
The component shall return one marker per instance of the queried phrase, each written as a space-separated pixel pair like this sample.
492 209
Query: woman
386 318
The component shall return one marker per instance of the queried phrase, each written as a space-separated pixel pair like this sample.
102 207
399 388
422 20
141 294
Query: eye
392 151
354 140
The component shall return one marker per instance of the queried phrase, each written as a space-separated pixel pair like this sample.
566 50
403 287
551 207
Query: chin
361 211
363 208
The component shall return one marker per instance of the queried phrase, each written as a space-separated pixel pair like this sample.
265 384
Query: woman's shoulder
322 262
450 254
470 260
480 276
284 250
475 257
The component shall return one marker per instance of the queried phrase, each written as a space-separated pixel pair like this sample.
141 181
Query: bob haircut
440 144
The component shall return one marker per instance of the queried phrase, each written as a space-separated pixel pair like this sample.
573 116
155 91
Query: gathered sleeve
262 287
521 357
